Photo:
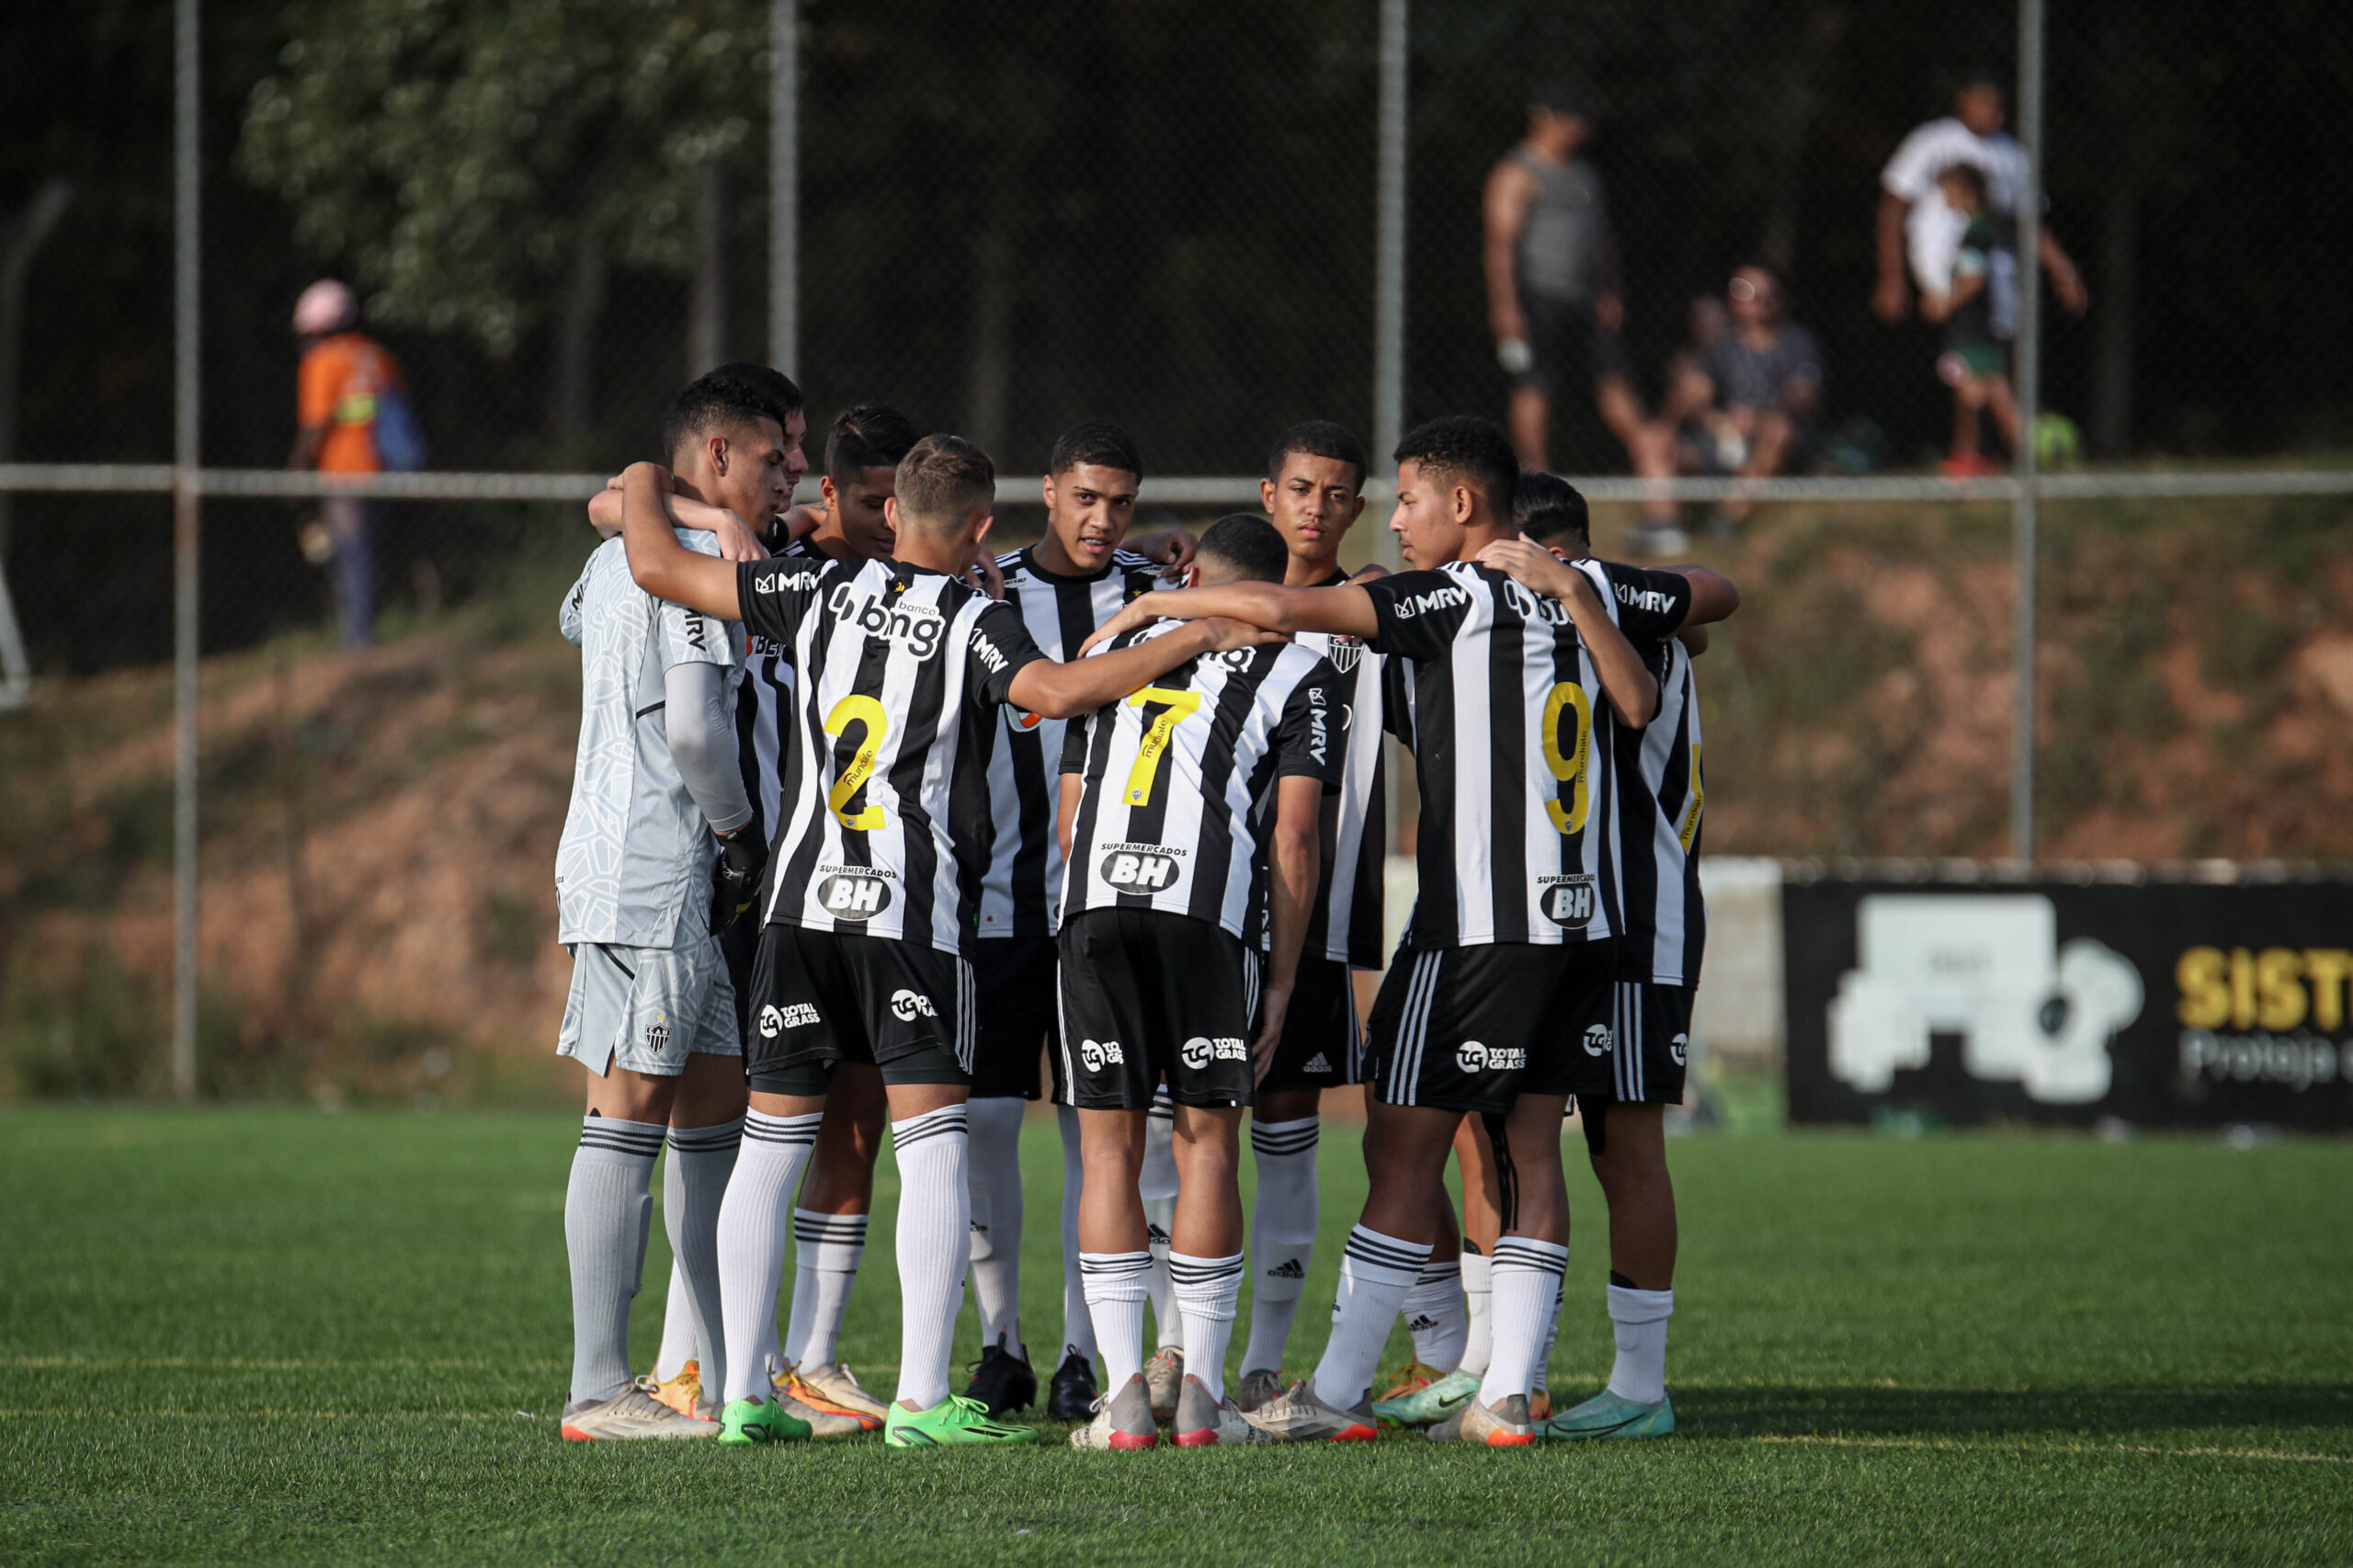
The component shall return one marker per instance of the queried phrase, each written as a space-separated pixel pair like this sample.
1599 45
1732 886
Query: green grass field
274 1335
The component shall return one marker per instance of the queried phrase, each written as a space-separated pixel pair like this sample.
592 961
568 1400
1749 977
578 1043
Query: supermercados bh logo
1140 867
1569 901
852 892
917 627
1474 1057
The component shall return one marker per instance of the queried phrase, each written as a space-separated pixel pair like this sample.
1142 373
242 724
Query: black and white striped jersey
1517 827
1020 895
762 691
1660 800
882 802
1175 779
1346 927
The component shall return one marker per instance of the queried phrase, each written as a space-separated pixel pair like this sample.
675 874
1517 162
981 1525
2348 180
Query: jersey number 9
1568 763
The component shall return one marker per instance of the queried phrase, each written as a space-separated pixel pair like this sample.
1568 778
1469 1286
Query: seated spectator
1744 407
1976 364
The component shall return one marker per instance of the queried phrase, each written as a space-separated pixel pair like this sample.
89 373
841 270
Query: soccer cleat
815 1408
1298 1417
748 1421
954 1420
1540 1404
1203 1421
630 1416
1163 1374
682 1394
1606 1415
1475 1423
1429 1403
1122 1423
836 1385
1002 1381
1260 1386
1072 1393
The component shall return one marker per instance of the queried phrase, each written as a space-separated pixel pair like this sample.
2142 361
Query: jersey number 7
1175 708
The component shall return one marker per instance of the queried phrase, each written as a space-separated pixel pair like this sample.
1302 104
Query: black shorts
1473 1028
1014 1020
1322 1045
1146 994
1567 349
821 997
1651 1048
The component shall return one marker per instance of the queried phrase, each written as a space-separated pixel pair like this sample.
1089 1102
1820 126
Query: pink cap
325 306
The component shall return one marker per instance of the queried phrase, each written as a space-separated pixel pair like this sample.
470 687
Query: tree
478 168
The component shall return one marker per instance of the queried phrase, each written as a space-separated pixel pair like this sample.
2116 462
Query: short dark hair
1318 438
1102 442
870 435
1248 543
943 479
731 394
1550 510
1465 447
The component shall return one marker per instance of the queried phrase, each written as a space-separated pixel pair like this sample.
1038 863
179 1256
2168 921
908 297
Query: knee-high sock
1478 1296
1115 1293
996 1218
826 1251
1434 1315
703 1157
1207 1290
1639 1320
1157 1183
1078 1320
1540 1375
1375 1273
677 1312
1282 1234
607 1216
1526 1283
751 1242
935 1234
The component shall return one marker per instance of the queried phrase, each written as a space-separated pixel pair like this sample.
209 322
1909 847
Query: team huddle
869 825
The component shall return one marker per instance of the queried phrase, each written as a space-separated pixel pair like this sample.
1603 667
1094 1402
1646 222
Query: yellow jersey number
1569 762
1175 707
870 715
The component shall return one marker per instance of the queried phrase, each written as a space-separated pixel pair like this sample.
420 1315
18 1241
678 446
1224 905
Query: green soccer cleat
748 1421
1608 1415
1429 1405
953 1420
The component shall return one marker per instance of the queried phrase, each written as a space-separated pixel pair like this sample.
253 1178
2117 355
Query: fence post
784 184
186 341
1388 258
2029 390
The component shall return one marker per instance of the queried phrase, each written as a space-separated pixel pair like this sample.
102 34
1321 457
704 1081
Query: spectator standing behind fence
352 414
1974 363
1551 267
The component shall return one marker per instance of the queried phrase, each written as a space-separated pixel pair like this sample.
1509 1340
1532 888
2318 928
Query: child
1976 364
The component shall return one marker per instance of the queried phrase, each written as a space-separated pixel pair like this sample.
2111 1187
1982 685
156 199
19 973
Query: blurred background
550 213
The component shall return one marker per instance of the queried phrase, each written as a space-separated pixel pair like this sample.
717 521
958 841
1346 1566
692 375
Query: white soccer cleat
837 1384
1164 1375
633 1415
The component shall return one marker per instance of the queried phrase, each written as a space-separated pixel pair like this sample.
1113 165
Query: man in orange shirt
342 374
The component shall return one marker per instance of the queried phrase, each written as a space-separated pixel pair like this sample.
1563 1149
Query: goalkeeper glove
741 857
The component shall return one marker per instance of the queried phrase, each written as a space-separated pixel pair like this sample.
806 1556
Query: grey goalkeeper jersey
633 867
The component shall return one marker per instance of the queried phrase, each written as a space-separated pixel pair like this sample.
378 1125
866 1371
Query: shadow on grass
1738 1412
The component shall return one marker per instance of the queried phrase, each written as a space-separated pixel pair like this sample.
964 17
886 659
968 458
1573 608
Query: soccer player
872 887
1163 799
651 1014
1498 1004
1313 491
1064 586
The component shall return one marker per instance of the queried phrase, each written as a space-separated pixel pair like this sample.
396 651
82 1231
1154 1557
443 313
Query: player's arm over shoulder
1656 602
663 566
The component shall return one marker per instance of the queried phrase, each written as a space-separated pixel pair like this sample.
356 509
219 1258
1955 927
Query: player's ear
1358 510
1046 487
1193 572
825 490
890 511
981 525
715 448
1466 504
1266 497
1559 554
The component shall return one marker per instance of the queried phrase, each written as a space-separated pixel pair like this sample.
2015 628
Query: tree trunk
2112 373
992 334
707 315
571 400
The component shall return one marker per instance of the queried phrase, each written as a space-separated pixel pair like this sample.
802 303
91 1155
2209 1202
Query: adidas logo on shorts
1422 1323
1317 1064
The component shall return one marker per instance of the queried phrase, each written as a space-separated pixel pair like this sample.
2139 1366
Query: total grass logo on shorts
1201 1050
908 1005
775 1020
1474 1057
1144 868
1096 1054
1680 1049
1570 901
852 892
1598 1040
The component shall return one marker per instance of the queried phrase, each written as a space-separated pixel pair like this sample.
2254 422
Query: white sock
751 1242
1639 1319
826 1251
1208 1292
996 1218
1478 1295
1375 1273
1282 1234
703 1157
1434 1314
1115 1294
607 1216
935 1236
1157 1183
1541 1376
1078 1321
677 1316
1527 1284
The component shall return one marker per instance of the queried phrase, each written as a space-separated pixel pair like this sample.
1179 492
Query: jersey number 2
1568 763
867 712
1176 707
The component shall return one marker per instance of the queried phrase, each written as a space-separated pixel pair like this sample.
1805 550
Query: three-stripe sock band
1525 1274
608 1215
752 1230
1116 1284
934 1244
